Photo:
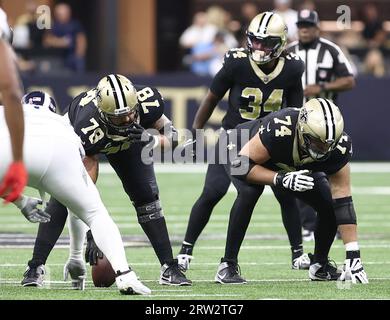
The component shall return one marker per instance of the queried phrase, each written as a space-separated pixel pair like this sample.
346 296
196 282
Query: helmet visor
268 44
316 148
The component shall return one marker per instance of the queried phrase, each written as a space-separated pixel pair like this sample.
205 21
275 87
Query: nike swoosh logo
222 277
268 128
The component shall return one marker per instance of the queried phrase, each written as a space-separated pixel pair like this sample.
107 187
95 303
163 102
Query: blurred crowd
215 30
60 48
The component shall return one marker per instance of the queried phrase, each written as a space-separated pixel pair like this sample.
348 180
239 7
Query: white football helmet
320 127
266 37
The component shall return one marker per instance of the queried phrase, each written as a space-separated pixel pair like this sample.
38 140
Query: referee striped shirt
324 62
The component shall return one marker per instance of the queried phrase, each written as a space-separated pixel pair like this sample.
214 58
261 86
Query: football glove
299 181
92 252
138 134
353 271
29 208
14 182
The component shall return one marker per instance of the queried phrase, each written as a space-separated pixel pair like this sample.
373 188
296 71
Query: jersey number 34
258 106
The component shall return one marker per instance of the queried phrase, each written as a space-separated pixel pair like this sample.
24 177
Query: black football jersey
84 117
253 93
278 135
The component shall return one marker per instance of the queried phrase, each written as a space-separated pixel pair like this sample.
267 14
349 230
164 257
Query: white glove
296 181
353 271
29 208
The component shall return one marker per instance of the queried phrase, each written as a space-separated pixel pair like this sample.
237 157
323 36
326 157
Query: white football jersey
4 28
42 122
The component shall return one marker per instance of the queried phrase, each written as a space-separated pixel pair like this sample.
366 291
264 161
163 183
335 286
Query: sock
77 232
352 246
353 254
48 233
297 251
186 248
157 233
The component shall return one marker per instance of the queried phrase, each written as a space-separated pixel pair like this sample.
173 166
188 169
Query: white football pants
54 165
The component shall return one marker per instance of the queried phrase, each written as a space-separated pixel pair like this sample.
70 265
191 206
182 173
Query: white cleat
301 263
184 261
128 283
78 273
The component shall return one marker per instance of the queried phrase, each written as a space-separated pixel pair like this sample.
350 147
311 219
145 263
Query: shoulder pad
235 54
295 62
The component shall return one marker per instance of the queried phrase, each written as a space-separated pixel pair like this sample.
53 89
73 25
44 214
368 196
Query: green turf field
264 258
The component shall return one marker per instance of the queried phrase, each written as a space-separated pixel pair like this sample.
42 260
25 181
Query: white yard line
193 264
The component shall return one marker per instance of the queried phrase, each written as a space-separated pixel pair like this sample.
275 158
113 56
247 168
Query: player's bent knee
149 212
344 211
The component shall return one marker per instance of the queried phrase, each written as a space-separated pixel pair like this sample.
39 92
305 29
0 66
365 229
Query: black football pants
319 198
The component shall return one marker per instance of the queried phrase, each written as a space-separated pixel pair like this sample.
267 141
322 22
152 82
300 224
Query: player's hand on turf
353 271
15 179
31 211
92 252
138 134
299 181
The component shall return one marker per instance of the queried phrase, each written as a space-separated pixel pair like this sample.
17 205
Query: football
103 275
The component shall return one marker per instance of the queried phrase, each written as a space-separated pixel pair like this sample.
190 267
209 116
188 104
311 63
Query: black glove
92 252
138 134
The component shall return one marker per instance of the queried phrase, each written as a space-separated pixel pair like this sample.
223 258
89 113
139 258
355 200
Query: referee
327 72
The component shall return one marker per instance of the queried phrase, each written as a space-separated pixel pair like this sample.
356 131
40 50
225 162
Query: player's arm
257 154
91 164
222 82
10 89
15 179
253 155
205 110
294 97
167 133
340 84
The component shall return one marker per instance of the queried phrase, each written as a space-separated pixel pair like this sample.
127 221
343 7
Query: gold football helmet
116 98
266 37
320 127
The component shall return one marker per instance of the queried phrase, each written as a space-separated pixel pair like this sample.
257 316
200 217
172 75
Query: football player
15 179
54 163
262 79
303 152
111 120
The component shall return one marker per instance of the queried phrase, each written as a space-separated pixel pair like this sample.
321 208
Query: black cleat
172 275
33 277
229 273
324 272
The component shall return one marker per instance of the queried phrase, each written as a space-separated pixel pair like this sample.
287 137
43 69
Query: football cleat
78 273
301 263
229 273
184 261
33 277
129 284
353 269
172 275
324 272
